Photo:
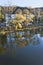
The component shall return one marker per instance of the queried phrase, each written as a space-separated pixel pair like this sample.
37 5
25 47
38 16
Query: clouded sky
28 3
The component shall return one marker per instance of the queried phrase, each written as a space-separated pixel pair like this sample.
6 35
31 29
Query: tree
29 16
18 11
19 18
26 11
1 17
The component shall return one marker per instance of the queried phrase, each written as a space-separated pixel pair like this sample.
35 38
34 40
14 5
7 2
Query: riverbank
31 28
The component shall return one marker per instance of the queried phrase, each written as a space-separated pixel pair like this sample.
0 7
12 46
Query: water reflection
17 40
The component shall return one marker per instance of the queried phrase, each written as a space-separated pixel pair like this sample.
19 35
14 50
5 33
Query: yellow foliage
20 35
1 16
31 16
31 19
20 17
19 25
3 32
16 27
14 21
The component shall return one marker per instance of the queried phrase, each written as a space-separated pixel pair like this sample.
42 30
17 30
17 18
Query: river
21 48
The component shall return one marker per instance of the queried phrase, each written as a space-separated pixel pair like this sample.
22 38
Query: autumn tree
19 18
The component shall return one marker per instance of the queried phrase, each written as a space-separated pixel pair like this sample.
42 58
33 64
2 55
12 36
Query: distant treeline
16 9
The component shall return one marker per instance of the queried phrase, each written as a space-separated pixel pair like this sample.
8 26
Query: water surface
21 48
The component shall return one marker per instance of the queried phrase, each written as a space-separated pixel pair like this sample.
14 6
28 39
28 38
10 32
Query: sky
22 3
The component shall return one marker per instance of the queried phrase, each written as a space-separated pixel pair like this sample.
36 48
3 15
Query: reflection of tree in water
4 47
35 40
41 35
18 35
3 39
27 35
19 41
10 51
2 50
22 43
29 39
